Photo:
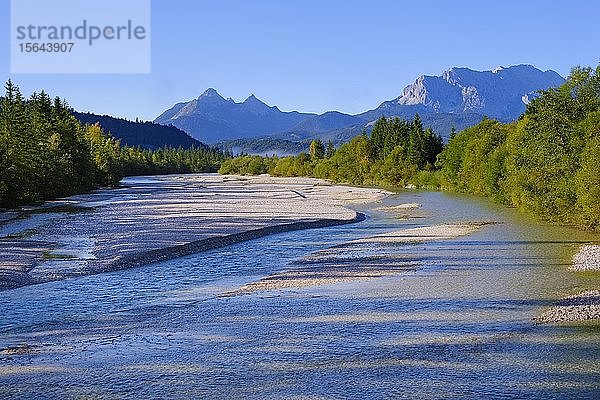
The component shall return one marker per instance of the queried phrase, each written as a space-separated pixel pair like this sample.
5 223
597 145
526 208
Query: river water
460 326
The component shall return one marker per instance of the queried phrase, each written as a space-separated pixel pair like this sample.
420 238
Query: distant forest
265 146
45 152
147 135
546 163
397 153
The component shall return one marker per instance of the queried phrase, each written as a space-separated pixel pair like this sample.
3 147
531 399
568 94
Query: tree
330 151
17 155
46 153
317 150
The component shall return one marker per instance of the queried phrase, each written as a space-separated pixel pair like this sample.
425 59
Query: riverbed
452 317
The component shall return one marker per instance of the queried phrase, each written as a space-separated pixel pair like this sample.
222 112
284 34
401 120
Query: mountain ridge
457 98
227 119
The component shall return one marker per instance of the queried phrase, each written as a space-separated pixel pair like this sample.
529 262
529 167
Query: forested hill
45 152
147 135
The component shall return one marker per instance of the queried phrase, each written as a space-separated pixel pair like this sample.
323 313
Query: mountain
265 146
143 134
211 118
327 121
458 98
500 94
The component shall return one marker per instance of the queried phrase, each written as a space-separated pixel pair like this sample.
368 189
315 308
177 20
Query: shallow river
460 326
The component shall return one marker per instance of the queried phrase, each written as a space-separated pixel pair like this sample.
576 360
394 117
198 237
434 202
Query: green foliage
474 160
300 165
429 180
330 151
396 151
46 153
317 150
247 165
588 179
167 160
547 163
395 170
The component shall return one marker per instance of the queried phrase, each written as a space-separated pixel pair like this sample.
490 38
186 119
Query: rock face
458 98
501 93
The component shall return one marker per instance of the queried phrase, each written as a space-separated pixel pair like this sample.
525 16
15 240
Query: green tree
317 150
330 151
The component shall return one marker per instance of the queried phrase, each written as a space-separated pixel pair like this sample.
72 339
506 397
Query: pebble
580 307
587 259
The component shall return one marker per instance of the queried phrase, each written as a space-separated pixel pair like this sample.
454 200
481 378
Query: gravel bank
583 306
587 259
357 260
163 217
424 234
580 307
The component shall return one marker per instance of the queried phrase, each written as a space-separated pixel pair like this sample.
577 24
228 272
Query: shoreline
340 263
585 305
157 218
217 242
581 307
587 258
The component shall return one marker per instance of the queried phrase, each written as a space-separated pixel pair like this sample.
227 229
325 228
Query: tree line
396 153
46 153
546 163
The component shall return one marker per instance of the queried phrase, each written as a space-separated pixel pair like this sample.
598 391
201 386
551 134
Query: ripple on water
460 325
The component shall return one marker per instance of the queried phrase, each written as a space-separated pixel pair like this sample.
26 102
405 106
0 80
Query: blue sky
323 55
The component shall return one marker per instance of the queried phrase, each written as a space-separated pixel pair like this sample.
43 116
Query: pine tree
317 150
330 151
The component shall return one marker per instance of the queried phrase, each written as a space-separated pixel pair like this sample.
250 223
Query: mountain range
211 118
458 98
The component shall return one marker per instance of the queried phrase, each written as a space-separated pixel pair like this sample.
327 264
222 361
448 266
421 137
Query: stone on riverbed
587 259
580 307
163 217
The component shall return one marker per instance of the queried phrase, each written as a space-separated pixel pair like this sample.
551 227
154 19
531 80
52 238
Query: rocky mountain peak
210 92
252 99
459 97
498 93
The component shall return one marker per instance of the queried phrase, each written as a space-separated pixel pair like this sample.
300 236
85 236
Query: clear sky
314 56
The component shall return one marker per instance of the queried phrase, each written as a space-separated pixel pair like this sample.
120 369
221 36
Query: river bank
453 316
153 219
582 306
354 261
158 218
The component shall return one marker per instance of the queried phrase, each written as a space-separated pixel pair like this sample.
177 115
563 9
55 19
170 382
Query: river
459 326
